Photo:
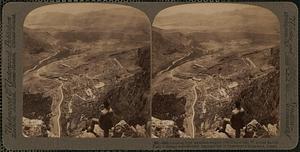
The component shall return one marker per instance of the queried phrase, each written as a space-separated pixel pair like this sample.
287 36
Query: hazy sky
218 17
208 8
75 8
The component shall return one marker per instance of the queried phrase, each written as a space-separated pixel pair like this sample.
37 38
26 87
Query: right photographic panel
215 72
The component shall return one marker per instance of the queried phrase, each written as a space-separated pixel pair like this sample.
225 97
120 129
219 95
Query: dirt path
40 62
59 109
119 64
193 108
173 64
80 97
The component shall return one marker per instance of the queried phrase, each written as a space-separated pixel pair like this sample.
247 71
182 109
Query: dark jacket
237 118
105 120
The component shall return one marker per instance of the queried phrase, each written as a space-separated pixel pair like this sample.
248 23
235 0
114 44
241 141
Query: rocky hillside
79 90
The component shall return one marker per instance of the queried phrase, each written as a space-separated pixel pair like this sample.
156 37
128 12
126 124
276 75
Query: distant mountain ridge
121 18
252 20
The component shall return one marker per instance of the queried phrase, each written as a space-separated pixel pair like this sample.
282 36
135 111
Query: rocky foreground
169 129
37 128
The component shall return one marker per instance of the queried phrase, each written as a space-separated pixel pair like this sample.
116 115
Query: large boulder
255 130
163 128
166 129
86 134
34 128
124 130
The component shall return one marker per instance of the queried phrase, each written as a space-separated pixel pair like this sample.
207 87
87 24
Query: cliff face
130 99
37 114
169 107
41 108
261 99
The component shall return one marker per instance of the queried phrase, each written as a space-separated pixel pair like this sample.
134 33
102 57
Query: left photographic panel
86 71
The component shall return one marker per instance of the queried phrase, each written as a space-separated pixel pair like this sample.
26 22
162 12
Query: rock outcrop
34 128
124 130
252 130
166 129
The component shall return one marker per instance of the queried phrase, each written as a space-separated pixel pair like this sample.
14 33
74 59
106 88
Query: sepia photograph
86 72
127 75
215 72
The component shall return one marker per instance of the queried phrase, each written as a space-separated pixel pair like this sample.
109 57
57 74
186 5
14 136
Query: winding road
193 108
40 62
59 109
174 63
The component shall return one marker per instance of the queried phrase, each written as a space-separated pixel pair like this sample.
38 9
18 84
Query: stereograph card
149 75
